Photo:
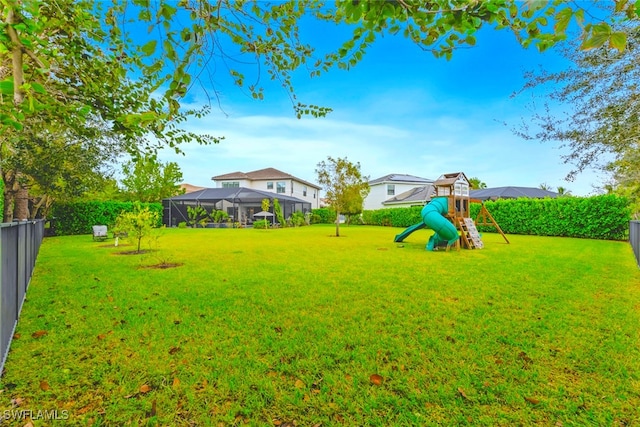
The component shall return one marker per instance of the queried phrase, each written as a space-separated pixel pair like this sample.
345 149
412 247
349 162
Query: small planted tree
137 224
266 204
344 185
277 210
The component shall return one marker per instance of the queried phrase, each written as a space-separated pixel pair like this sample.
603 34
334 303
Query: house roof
396 177
261 175
511 193
188 188
450 178
417 194
237 194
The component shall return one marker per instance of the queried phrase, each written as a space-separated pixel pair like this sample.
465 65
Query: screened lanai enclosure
241 204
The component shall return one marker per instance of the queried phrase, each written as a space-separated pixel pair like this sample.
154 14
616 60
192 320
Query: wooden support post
487 220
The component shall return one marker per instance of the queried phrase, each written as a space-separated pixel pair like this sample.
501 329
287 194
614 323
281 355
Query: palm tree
562 191
545 186
476 184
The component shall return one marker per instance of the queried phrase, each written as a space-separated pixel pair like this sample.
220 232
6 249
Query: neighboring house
511 193
188 188
273 181
417 196
389 187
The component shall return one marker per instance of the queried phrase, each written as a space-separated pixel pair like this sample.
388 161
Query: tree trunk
9 195
41 207
16 58
337 224
21 205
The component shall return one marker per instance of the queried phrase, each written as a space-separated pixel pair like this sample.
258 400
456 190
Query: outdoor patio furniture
99 232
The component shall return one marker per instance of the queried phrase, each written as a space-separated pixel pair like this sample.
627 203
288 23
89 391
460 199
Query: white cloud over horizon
399 111
450 144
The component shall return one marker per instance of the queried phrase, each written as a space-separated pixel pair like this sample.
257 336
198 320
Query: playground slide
432 217
400 237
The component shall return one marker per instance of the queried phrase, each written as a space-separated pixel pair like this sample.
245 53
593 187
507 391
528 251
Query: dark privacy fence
19 245
634 238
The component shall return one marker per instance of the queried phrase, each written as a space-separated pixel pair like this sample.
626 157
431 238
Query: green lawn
295 327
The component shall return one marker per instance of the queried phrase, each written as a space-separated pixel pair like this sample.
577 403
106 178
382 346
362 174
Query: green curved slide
433 217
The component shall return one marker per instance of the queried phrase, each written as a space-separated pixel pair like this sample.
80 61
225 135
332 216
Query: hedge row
394 217
323 216
599 217
79 218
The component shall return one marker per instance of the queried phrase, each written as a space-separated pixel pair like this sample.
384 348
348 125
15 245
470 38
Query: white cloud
394 131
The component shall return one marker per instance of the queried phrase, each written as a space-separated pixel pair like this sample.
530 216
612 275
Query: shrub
277 210
599 217
396 217
323 216
219 215
262 223
79 217
297 219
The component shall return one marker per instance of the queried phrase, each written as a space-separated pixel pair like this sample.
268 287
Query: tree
599 97
137 224
53 163
545 186
563 191
277 211
476 183
65 75
148 180
344 185
129 67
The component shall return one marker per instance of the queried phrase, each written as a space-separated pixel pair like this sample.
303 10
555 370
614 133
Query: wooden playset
448 213
455 187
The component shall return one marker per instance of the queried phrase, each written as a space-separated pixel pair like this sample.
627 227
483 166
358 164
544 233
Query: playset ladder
470 235
473 233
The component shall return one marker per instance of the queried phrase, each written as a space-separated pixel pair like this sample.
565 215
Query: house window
270 185
231 184
281 187
391 190
304 191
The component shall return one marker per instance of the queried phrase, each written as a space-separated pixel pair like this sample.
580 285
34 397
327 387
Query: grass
294 327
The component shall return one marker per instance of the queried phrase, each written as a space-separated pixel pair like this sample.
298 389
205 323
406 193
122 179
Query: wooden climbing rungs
473 233
470 236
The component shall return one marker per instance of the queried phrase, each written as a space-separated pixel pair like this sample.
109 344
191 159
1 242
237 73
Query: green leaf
562 20
150 47
167 11
596 40
6 87
618 41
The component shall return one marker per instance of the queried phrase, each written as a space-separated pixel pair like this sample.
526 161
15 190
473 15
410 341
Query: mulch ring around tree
163 265
140 252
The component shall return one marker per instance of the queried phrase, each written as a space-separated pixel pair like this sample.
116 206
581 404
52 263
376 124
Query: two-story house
388 187
274 181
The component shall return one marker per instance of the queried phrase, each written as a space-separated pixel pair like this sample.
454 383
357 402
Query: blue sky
400 110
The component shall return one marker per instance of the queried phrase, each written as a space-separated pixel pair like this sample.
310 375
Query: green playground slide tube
400 237
433 216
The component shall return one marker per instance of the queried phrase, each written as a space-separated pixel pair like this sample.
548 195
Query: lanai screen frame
238 199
